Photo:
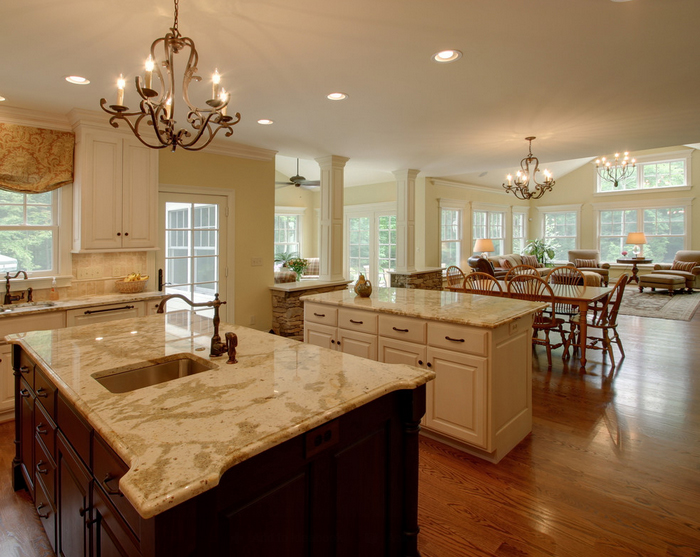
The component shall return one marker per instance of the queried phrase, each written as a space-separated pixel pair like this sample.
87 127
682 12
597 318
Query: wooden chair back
482 283
534 289
521 270
607 316
455 277
570 278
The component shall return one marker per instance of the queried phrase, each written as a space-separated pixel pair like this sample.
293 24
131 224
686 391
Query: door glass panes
358 246
450 237
386 248
192 252
518 232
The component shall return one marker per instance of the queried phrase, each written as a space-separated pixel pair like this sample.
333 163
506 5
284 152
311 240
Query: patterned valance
35 160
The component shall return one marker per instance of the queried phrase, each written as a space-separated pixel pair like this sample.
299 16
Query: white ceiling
587 77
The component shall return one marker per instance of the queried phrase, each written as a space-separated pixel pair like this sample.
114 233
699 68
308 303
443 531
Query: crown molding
33 119
465 186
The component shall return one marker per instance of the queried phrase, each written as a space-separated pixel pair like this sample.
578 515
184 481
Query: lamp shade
635 238
483 245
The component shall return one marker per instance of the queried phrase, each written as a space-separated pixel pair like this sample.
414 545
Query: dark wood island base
345 489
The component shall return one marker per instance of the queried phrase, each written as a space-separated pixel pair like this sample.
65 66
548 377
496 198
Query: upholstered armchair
481 265
589 260
682 266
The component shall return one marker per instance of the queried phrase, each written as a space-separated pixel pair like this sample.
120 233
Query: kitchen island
478 346
293 450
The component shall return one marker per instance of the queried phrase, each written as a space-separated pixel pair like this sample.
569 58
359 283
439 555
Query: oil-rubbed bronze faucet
231 343
217 347
9 298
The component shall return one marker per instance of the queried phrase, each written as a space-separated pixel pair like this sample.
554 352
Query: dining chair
605 321
567 277
482 283
455 277
528 270
536 289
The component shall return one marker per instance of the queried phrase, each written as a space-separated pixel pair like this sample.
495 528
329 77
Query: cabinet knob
338 343
111 491
332 341
24 393
126 233
40 469
41 392
40 430
119 233
420 362
430 365
23 369
38 509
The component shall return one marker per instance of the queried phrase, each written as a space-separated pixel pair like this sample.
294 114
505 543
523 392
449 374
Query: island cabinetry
349 331
101 314
115 193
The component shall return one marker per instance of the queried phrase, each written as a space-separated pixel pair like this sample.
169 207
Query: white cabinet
101 314
348 331
115 193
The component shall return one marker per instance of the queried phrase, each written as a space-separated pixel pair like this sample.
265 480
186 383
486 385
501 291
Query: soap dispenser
53 295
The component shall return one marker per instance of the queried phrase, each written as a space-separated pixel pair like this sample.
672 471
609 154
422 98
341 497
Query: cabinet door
357 344
457 399
399 352
100 192
72 502
139 196
7 384
26 443
110 536
320 335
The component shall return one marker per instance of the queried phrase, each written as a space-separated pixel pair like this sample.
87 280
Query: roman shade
35 160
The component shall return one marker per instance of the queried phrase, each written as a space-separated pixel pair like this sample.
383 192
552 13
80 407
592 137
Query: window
491 224
560 232
519 220
386 247
287 234
665 227
450 237
29 232
654 172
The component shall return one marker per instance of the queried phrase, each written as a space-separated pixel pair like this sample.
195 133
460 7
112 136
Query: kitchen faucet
217 347
9 298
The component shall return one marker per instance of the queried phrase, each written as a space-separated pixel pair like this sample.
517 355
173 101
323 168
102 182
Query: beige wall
309 199
252 223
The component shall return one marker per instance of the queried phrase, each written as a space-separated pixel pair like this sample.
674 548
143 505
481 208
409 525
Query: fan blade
314 183
281 185
285 183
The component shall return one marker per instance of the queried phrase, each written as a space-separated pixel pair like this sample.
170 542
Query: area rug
659 304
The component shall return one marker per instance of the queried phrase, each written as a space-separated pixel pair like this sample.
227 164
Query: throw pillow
585 263
504 264
683 266
530 260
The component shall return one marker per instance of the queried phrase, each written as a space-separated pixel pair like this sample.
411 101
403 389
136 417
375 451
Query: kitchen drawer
108 470
402 328
317 313
460 339
45 469
357 320
45 392
101 314
26 368
45 429
47 513
76 431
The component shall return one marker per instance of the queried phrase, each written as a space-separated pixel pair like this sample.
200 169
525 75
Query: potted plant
540 248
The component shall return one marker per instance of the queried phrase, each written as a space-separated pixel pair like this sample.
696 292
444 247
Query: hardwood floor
612 466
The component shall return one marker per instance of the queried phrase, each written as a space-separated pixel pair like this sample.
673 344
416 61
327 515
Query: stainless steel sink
153 373
10 307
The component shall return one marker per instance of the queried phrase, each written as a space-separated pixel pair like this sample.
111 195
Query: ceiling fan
299 181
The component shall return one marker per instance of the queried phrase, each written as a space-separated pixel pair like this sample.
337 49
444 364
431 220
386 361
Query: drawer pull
454 339
40 469
23 369
356 322
41 392
84 511
41 431
38 509
91 311
108 489
319 314
400 330
24 393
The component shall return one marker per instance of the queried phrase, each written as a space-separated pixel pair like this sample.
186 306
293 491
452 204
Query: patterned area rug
659 304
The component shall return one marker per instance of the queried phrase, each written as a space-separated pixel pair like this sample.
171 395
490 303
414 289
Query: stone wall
288 310
429 280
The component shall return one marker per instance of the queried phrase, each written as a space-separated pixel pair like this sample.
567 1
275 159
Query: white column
332 208
406 220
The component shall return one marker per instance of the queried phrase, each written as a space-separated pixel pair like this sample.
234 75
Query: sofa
501 263
589 260
691 276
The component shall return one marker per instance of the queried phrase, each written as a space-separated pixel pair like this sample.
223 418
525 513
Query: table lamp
484 245
638 239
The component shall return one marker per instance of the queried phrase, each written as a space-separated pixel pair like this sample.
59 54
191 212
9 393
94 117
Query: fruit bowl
130 286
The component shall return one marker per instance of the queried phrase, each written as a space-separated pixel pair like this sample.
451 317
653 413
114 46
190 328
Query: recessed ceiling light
2 98
265 122
77 80
447 56
337 96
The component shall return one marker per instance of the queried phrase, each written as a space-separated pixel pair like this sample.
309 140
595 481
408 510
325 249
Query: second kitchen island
478 346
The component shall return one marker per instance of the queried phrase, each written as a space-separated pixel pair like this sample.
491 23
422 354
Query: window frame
373 212
525 214
298 213
490 210
559 209
457 241
648 160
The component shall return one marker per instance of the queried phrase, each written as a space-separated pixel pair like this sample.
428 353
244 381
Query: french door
371 242
193 259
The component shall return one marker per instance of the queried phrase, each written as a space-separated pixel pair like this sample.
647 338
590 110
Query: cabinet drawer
45 469
76 431
47 513
402 328
108 470
461 339
102 314
25 367
357 320
45 429
45 392
317 313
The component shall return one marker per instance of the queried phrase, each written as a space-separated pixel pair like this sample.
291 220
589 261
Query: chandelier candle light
157 110
617 170
519 185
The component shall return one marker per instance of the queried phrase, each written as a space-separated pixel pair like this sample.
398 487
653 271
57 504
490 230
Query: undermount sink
10 307
152 373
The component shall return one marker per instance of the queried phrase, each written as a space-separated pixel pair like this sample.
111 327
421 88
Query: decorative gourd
363 287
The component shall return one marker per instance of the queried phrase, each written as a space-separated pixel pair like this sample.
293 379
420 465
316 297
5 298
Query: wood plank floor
612 466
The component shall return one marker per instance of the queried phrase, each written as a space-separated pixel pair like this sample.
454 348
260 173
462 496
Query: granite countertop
10 310
488 312
180 436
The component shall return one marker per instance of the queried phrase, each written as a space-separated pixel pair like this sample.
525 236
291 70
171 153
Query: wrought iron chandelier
617 170
519 186
157 109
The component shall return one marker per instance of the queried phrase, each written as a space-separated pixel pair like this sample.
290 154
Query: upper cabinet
115 192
